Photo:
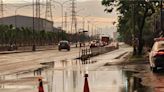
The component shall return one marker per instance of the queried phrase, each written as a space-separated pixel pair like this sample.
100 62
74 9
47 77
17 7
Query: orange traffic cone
86 86
40 88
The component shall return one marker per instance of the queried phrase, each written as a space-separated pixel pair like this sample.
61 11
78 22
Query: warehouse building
28 22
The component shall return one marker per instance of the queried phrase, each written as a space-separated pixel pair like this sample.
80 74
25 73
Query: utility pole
83 24
36 20
90 33
92 30
33 28
1 10
88 26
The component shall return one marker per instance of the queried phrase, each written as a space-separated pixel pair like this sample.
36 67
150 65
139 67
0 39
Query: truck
104 39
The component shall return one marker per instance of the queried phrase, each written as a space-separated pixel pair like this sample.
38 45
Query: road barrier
87 53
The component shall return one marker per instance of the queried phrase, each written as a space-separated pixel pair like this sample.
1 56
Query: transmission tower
74 20
37 11
48 14
1 10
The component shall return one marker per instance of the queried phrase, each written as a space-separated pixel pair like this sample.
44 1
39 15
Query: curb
17 51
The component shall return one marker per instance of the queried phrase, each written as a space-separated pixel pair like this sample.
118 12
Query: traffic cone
86 86
40 88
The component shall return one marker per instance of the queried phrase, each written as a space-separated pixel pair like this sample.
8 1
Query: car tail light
158 53
159 39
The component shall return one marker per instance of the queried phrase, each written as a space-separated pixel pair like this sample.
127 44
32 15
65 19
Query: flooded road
71 79
104 79
68 76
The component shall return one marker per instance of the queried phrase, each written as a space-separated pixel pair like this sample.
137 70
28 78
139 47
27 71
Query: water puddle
68 76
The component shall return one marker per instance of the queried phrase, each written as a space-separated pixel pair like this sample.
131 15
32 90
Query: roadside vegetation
138 22
12 38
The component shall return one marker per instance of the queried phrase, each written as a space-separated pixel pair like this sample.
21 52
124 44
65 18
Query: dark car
64 45
156 55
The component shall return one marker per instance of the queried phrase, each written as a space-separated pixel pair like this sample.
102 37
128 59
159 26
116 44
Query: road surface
67 75
10 63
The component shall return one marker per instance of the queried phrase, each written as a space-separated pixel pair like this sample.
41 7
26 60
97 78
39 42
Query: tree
132 18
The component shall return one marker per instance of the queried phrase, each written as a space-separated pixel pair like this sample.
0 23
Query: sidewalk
29 49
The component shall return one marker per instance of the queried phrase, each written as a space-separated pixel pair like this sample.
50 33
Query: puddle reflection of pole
74 80
2 78
52 76
79 52
63 62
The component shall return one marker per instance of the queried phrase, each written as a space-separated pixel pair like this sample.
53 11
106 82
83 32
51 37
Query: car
156 55
94 44
64 45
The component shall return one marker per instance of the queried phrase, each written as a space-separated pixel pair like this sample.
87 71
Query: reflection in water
132 84
99 81
70 78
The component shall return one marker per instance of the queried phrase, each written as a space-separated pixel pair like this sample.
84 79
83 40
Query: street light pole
62 10
33 9
62 14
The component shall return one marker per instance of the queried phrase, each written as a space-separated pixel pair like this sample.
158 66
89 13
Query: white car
156 55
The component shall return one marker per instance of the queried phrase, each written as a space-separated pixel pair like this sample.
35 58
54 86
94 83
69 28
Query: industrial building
28 22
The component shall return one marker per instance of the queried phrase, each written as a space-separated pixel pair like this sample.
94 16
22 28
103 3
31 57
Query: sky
96 14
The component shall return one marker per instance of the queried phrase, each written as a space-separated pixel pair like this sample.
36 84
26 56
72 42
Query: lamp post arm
16 12
62 6
21 7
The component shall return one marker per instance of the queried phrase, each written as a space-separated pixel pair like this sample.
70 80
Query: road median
92 52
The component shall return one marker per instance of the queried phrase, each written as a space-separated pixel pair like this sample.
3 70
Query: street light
62 10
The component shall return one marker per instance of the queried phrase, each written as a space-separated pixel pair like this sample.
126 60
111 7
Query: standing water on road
68 76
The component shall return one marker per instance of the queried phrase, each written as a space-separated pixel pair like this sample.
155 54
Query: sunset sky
95 14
